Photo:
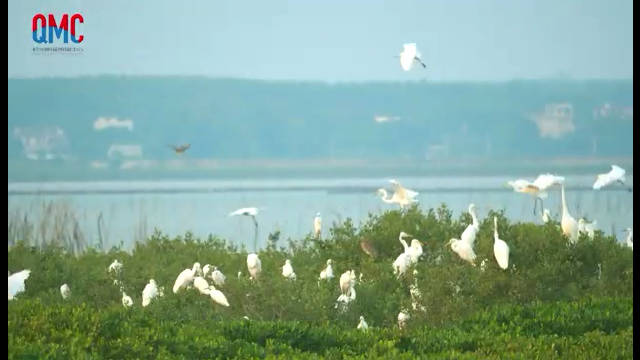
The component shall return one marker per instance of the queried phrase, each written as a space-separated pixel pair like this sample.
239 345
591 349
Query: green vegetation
556 300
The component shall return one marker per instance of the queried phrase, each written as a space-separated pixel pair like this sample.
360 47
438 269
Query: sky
334 40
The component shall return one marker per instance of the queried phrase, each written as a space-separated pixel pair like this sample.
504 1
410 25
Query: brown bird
180 149
368 248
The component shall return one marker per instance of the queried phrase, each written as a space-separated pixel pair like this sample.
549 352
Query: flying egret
401 195
16 282
616 174
201 284
317 226
537 188
115 267
217 296
409 55
287 270
469 234
403 318
587 228
568 223
149 292
65 291
126 300
368 248
180 149
500 248
327 272
362 325
463 249
218 277
249 211
629 240
185 278
254 265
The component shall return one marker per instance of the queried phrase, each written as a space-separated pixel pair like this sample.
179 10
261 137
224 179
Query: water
131 210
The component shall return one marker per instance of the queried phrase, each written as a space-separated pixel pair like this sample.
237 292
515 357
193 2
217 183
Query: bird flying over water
537 188
401 195
616 175
180 149
409 56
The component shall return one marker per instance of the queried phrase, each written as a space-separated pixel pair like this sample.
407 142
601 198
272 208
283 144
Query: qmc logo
65 28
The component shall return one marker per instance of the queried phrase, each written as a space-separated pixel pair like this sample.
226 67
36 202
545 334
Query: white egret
65 291
126 300
252 212
500 248
629 240
201 284
409 55
587 228
115 267
401 264
568 223
254 265
16 282
347 280
317 225
362 325
403 318
401 195
218 277
287 270
149 292
327 272
185 278
616 174
537 188
217 296
469 234
546 216
415 250
463 249
205 270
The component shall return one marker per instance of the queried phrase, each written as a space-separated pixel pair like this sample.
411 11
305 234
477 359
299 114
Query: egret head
288 262
318 214
329 262
361 318
404 235
394 182
415 272
381 192
472 207
152 282
581 222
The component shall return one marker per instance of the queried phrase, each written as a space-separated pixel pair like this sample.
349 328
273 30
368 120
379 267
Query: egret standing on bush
126 300
254 265
587 228
327 272
469 234
500 248
362 325
217 276
65 291
317 226
186 277
149 292
568 223
629 240
287 270
16 282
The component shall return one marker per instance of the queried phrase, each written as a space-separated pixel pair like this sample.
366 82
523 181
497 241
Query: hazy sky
335 40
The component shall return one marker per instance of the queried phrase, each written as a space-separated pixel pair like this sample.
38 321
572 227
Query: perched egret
409 55
201 284
115 267
403 318
205 270
327 272
252 212
500 248
537 188
317 225
65 291
287 270
587 228
217 296
469 234
126 300
546 216
362 325
629 240
16 282
568 223
401 195
344 299
616 174
185 278
347 280
401 264
254 265
218 277
463 249
149 292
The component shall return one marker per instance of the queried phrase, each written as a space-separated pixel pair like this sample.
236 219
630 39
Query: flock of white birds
196 277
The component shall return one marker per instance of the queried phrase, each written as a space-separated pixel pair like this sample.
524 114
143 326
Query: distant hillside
111 120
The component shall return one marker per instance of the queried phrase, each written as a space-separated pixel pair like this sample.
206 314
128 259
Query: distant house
556 120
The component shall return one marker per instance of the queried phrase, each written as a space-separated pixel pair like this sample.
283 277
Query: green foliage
553 301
